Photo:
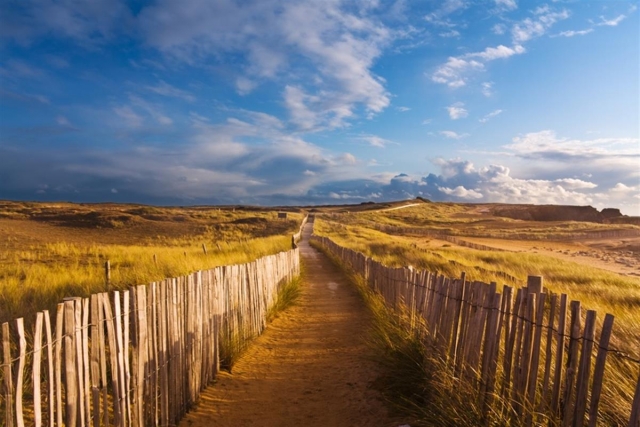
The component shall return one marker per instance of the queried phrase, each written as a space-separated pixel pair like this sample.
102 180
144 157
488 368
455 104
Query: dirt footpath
309 368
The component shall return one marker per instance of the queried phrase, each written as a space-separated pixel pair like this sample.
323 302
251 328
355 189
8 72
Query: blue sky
327 101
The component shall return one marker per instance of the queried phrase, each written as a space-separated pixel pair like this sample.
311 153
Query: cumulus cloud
457 111
543 19
454 73
338 41
607 160
461 192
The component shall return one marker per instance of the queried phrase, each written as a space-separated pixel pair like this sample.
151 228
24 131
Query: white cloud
461 192
450 34
348 159
114 191
427 121
490 116
457 111
575 184
573 33
245 86
271 40
493 53
63 121
151 109
454 72
453 135
611 22
507 4
439 17
87 23
403 109
530 28
129 116
296 102
487 89
499 29
375 141
165 89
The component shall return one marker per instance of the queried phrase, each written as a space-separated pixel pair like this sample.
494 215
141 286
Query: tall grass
42 276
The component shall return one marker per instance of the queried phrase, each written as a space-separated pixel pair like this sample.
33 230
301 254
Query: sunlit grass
66 256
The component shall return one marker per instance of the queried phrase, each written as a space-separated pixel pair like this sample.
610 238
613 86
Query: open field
49 251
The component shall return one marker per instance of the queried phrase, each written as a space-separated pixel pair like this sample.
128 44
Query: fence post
107 273
8 380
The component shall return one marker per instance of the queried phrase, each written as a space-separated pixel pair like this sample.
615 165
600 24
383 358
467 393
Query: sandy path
309 368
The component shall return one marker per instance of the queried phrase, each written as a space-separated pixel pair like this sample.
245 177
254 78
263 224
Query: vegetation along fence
139 357
522 358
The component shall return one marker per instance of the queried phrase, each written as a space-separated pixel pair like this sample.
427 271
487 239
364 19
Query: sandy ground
617 255
309 368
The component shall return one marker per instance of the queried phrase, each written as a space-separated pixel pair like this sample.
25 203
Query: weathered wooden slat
50 370
535 359
70 365
598 371
126 316
36 378
114 365
557 376
79 360
544 404
22 353
58 361
572 365
102 344
119 349
584 370
7 374
94 369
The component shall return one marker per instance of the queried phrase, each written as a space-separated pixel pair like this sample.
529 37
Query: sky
271 102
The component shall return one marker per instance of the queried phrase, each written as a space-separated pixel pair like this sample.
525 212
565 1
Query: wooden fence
138 357
522 357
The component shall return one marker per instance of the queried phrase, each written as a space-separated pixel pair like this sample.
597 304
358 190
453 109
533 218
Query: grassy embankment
603 291
50 251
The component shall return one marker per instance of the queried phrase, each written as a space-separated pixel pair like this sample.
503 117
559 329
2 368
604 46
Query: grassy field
424 245
49 251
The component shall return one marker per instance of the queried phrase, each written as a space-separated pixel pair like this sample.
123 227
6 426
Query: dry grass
51 251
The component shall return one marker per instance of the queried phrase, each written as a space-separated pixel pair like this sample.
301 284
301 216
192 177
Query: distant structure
282 215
